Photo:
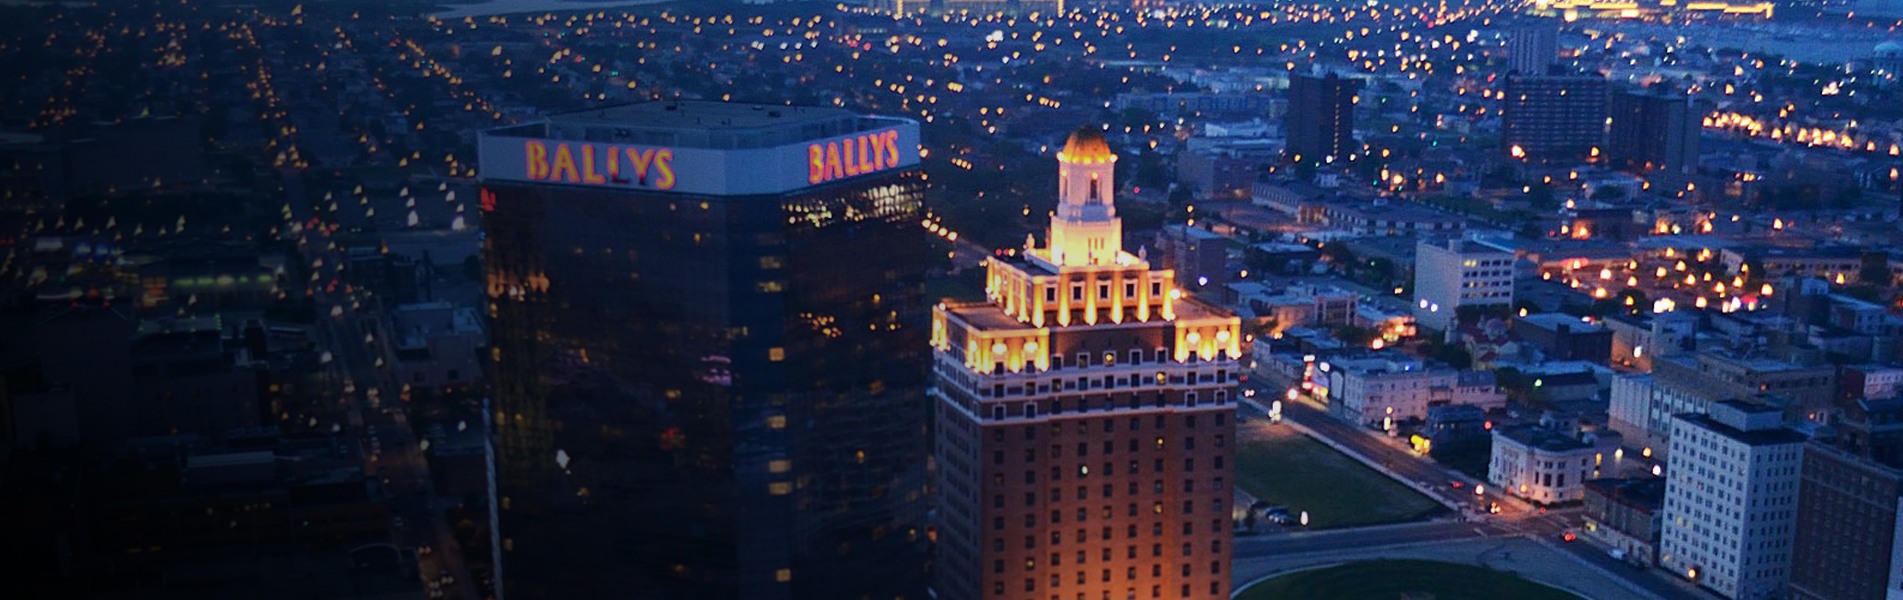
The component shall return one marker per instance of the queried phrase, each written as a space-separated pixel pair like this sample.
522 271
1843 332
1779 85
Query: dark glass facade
1321 116
710 397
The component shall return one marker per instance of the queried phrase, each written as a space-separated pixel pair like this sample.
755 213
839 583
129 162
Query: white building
1731 500
1544 465
1382 391
1643 410
1460 272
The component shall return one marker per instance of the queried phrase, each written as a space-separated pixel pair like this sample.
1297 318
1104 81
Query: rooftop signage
772 170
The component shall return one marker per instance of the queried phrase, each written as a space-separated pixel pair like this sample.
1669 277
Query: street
350 327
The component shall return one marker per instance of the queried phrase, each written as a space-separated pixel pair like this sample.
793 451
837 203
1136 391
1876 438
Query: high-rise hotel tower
1086 417
710 353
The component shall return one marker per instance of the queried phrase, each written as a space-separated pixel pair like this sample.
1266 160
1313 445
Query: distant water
506 7
1885 8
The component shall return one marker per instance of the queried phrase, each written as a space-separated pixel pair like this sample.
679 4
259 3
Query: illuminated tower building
1085 417
710 353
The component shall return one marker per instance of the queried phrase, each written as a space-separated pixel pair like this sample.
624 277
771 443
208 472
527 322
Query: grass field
1289 469
1396 579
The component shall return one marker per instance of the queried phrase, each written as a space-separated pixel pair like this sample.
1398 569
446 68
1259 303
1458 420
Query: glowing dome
1890 49
1086 144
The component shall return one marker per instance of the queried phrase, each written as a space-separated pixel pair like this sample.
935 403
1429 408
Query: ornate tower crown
1085 229
1086 145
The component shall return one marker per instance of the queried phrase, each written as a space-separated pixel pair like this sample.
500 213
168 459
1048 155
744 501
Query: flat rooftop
1553 321
705 124
1542 438
1755 437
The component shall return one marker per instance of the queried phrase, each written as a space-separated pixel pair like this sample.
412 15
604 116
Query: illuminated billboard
689 170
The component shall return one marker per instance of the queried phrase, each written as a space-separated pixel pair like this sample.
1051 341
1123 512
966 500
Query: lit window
783 575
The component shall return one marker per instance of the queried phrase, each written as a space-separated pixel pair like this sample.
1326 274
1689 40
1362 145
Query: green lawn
1289 469
1396 579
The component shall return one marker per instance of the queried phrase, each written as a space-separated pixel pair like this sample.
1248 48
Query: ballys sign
852 156
687 169
596 164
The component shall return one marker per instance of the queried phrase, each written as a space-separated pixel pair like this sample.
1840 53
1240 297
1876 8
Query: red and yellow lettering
865 143
892 147
642 159
588 173
852 166
815 164
664 165
834 169
564 167
536 155
614 165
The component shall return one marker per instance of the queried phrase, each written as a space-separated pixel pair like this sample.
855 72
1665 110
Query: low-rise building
1384 391
1199 256
1305 306
1875 382
1459 273
1731 500
1836 263
436 344
1218 174
1636 340
1626 515
1564 337
1543 464
1452 421
1379 217
1689 382
1872 429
